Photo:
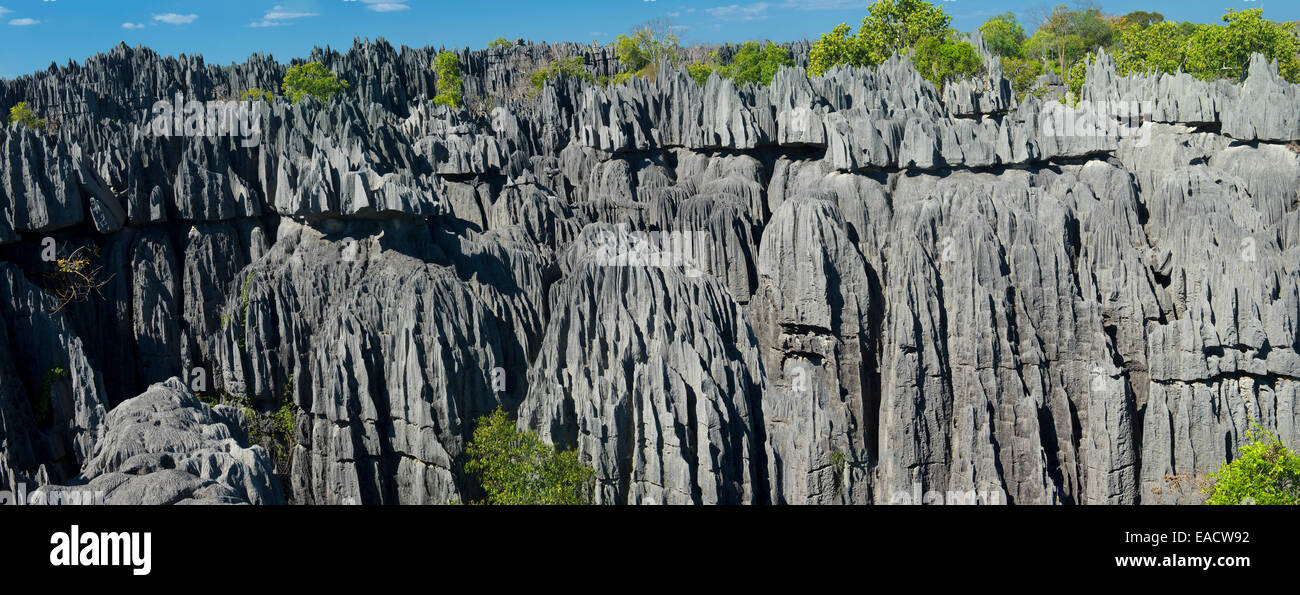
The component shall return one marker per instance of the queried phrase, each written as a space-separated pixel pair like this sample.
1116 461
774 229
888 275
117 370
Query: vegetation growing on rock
22 115
311 79
573 67
1264 472
913 27
451 88
517 467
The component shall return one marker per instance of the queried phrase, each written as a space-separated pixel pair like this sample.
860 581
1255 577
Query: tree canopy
312 79
24 116
912 27
1004 35
640 52
517 467
1066 36
1211 51
1264 472
574 67
891 26
450 86
753 63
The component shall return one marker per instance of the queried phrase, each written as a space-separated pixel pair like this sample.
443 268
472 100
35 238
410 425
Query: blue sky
34 33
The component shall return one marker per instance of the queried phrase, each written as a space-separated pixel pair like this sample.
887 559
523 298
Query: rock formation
851 289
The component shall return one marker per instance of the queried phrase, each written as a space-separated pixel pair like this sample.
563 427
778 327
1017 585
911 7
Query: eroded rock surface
853 288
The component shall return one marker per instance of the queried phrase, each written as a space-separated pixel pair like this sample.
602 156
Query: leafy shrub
1004 36
1021 73
574 67
914 27
891 26
700 71
312 79
939 60
451 89
1066 36
254 424
275 430
24 116
256 94
756 63
839 47
283 425
517 467
640 52
1077 75
499 42
838 463
753 63
1265 472
1211 52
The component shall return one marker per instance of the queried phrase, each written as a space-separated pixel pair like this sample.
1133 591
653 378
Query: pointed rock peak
1261 68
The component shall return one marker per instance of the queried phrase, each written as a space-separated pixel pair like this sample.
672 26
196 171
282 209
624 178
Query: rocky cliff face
844 289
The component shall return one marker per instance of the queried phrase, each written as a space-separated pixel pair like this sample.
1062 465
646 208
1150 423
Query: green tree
1265 472
891 26
1021 73
1067 35
940 59
1077 75
574 67
1159 47
517 467
312 79
1224 51
1004 36
499 42
700 71
640 52
755 63
451 88
839 47
1211 52
24 116
1139 19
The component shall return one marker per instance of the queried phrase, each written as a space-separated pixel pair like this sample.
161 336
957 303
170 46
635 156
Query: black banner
319 544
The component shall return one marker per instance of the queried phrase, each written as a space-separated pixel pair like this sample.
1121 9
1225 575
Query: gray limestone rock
851 288
167 447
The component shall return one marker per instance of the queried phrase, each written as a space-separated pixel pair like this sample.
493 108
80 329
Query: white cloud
279 15
736 12
133 25
23 22
172 18
386 6
4 11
